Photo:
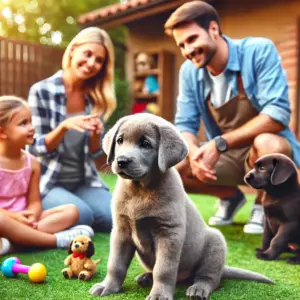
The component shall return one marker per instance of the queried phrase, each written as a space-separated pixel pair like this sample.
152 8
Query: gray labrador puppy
154 218
277 175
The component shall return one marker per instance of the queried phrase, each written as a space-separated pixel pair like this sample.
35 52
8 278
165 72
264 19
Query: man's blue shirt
264 82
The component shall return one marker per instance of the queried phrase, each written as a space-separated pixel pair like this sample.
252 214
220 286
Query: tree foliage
37 20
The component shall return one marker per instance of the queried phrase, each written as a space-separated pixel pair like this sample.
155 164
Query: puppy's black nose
248 176
123 161
76 245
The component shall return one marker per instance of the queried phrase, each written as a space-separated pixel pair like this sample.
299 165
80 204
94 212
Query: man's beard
208 54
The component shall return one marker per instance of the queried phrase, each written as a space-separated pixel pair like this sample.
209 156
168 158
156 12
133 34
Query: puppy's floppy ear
90 250
109 141
172 148
70 248
283 170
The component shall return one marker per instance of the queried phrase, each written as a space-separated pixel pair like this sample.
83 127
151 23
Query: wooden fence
22 64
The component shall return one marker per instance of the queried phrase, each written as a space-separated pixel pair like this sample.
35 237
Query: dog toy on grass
81 265
12 266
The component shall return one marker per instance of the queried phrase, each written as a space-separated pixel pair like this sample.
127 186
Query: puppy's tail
97 261
241 274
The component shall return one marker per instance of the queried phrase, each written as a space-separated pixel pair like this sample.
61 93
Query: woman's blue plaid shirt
47 100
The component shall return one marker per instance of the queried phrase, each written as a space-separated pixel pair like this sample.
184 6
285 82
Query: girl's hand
80 123
32 220
26 217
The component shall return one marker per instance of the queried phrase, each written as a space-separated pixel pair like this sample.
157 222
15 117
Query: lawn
240 254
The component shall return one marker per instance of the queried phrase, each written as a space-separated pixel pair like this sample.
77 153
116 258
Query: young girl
22 220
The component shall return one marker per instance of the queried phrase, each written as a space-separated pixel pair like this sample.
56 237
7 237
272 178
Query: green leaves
39 20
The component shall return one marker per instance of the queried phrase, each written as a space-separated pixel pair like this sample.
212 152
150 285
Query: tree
49 22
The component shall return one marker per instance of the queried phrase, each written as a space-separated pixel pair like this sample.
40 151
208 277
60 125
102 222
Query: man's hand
204 160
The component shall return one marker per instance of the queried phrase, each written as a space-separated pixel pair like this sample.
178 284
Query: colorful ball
37 272
7 266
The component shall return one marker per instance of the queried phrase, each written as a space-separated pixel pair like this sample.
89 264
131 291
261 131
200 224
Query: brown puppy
81 265
277 175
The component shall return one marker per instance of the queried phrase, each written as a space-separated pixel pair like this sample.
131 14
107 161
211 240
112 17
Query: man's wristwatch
221 144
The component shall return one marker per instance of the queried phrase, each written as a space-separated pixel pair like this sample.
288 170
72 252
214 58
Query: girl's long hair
8 104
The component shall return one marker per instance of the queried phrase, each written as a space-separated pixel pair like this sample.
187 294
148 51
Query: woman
68 111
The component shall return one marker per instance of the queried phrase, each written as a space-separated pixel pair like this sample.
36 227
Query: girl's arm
6 212
22 217
34 203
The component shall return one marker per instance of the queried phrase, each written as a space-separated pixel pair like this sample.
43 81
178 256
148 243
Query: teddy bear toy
79 261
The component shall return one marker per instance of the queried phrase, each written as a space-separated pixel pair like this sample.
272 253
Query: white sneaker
227 210
64 238
5 246
256 222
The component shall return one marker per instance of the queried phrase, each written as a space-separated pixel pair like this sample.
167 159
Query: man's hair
199 11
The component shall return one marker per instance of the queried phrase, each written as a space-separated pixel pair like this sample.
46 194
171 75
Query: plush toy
144 62
81 265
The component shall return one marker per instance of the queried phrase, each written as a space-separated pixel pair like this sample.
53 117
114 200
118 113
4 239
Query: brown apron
229 116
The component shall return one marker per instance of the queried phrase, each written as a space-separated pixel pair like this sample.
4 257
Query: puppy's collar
80 255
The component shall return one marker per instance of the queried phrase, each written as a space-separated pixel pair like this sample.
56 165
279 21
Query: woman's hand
98 127
81 123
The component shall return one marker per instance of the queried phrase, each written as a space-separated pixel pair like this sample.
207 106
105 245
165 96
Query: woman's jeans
93 203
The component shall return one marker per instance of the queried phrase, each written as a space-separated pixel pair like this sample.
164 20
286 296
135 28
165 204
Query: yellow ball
37 272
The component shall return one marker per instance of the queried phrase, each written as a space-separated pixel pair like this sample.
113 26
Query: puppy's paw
259 250
145 279
100 289
294 260
266 255
158 297
199 291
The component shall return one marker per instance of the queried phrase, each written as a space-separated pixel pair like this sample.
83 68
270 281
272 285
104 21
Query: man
239 90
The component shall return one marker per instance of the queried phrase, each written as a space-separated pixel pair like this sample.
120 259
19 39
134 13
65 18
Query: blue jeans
93 203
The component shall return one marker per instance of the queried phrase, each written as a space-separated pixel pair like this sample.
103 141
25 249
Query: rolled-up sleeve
272 86
187 116
40 122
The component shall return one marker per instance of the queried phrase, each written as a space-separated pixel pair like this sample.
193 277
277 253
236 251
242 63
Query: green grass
240 254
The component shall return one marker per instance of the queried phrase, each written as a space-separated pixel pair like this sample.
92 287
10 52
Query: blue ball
7 265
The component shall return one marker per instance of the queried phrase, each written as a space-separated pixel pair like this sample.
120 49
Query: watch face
221 144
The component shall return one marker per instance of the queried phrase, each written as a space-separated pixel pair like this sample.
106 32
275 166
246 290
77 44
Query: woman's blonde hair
101 86
8 104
